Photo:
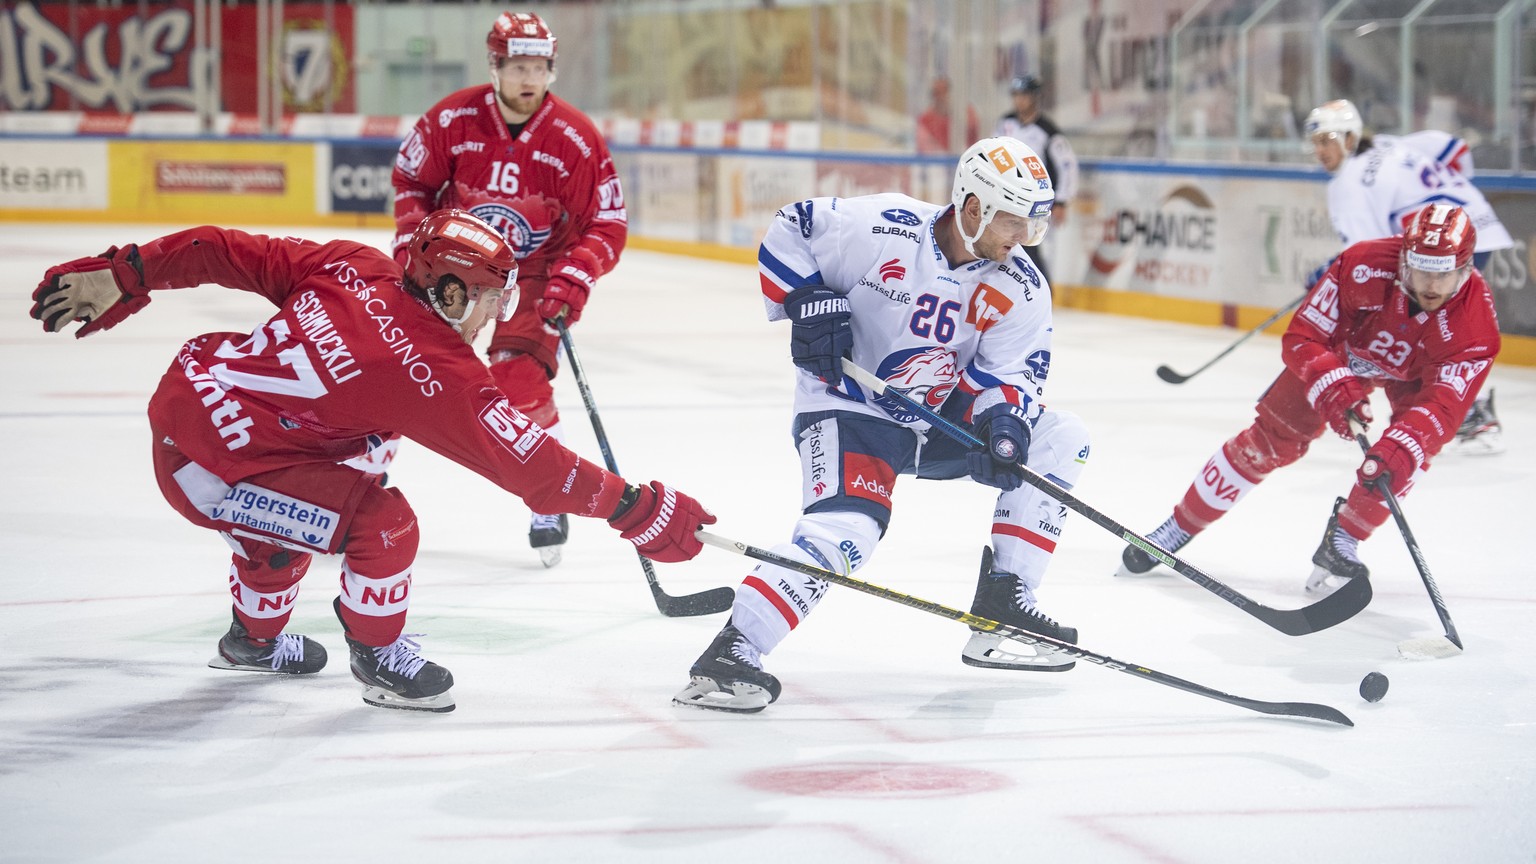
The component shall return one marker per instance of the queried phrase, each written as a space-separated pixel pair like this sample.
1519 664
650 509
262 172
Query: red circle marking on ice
875 780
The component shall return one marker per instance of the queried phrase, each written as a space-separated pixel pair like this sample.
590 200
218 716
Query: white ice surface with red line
119 744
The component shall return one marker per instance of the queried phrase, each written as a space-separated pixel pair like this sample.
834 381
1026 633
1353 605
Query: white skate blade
988 651
1323 583
550 555
1488 443
378 697
1432 648
218 662
741 698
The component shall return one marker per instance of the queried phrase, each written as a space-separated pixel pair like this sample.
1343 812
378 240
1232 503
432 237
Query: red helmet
456 243
1440 238
520 34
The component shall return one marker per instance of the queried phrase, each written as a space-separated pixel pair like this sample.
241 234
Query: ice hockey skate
1137 562
397 676
548 535
729 676
1480 433
1336 559
287 653
1003 597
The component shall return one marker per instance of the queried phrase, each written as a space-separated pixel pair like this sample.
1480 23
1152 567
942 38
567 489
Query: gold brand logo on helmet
1002 160
1036 168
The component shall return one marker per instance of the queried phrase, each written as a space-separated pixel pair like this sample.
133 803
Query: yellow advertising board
219 182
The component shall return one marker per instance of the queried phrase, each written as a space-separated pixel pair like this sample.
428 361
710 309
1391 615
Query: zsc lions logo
520 233
925 375
900 217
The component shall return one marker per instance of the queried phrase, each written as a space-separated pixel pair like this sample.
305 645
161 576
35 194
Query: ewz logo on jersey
925 375
521 235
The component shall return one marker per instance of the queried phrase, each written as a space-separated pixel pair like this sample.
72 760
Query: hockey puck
1373 686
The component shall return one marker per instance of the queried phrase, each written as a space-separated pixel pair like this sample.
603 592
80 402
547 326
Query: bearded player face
521 83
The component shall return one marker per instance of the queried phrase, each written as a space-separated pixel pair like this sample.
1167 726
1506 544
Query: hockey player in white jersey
1376 187
941 302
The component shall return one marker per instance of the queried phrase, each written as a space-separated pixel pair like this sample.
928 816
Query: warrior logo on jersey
524 238
987 307
900 217
925 375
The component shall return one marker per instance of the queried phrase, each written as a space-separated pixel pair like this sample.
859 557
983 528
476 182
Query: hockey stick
1336 608
1289 709
685 606
1173 377
1434 647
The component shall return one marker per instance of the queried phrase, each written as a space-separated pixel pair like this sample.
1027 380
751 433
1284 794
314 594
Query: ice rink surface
120 744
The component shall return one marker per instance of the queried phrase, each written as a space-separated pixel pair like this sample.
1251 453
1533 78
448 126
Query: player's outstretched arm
98 290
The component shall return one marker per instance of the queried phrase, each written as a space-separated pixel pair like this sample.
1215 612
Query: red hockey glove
567 289
1336 395
100 290
1393 459
661 522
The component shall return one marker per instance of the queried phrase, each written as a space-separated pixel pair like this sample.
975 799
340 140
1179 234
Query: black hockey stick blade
1172 377
1309 710
688 605
1333 609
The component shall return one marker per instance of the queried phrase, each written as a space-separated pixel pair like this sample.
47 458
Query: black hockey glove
1004 429
822 333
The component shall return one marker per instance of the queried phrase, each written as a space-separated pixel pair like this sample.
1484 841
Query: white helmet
1004 174
1339 117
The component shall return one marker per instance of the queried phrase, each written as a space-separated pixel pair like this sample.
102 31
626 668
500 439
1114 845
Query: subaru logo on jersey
925 375
521 235
1039 364
803 214
1027 269
900 217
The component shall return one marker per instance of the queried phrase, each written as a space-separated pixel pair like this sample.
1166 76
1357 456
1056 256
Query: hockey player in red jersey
248 428
535 168
1409 314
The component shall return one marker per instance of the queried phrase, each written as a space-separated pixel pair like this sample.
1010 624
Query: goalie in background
1410 315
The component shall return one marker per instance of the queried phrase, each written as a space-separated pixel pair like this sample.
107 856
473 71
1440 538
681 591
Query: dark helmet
1025 84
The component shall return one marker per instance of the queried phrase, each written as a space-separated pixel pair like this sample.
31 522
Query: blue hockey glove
1317 275
822 332
1004 429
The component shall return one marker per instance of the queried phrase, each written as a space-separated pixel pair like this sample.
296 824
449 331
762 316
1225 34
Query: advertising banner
214 181
53 175
135 57
1197 236
358 178
749 191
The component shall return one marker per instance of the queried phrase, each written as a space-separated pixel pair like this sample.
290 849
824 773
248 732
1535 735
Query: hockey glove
1318 274
1004 428
661 522
822 332
1392 460
1337 395
567 289
99 290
